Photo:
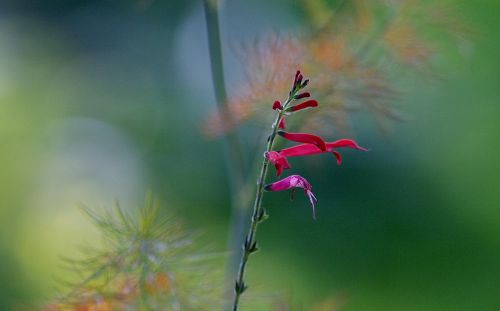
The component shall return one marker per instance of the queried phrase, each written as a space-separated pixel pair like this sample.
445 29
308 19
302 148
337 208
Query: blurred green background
105 99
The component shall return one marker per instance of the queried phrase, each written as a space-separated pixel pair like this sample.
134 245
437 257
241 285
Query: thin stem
250 244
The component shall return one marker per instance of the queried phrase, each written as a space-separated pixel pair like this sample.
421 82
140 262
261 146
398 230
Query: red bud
277 105
304 105
302 95
296 78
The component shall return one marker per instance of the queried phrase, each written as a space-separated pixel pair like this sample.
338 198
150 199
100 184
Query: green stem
258 215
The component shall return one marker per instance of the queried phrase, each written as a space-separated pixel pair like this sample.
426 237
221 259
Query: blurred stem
231 144
258 215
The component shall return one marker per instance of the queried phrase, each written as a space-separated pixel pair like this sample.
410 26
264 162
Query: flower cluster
310 144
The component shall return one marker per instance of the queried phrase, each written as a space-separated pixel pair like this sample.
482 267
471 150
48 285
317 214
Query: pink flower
304 138
309 149
279 158
291 182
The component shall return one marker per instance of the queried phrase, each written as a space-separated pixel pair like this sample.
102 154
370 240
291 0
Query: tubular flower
279 158
307 104
291 182
304 138
309 149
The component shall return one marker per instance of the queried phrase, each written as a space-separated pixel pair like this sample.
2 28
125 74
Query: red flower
308 149
291 182
304 105
280 162
304 138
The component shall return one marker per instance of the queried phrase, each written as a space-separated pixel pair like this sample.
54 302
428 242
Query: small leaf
253 248
250 246
261 215
239 288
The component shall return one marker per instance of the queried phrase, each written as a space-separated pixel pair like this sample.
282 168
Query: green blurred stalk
231 143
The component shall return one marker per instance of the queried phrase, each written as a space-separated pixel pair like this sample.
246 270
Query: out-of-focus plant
356 50
148 264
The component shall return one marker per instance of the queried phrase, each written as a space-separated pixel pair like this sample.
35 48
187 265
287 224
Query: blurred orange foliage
348 51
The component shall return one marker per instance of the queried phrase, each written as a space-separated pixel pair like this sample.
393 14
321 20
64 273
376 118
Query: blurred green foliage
148 262
96 104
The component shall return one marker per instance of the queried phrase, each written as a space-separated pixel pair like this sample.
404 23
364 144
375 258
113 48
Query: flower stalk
311 144
259 214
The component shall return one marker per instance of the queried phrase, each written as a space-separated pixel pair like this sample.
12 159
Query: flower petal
349 143
337 156
291 182
309 149
279 161
300 150
312 200
304 138
272 156
281 165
